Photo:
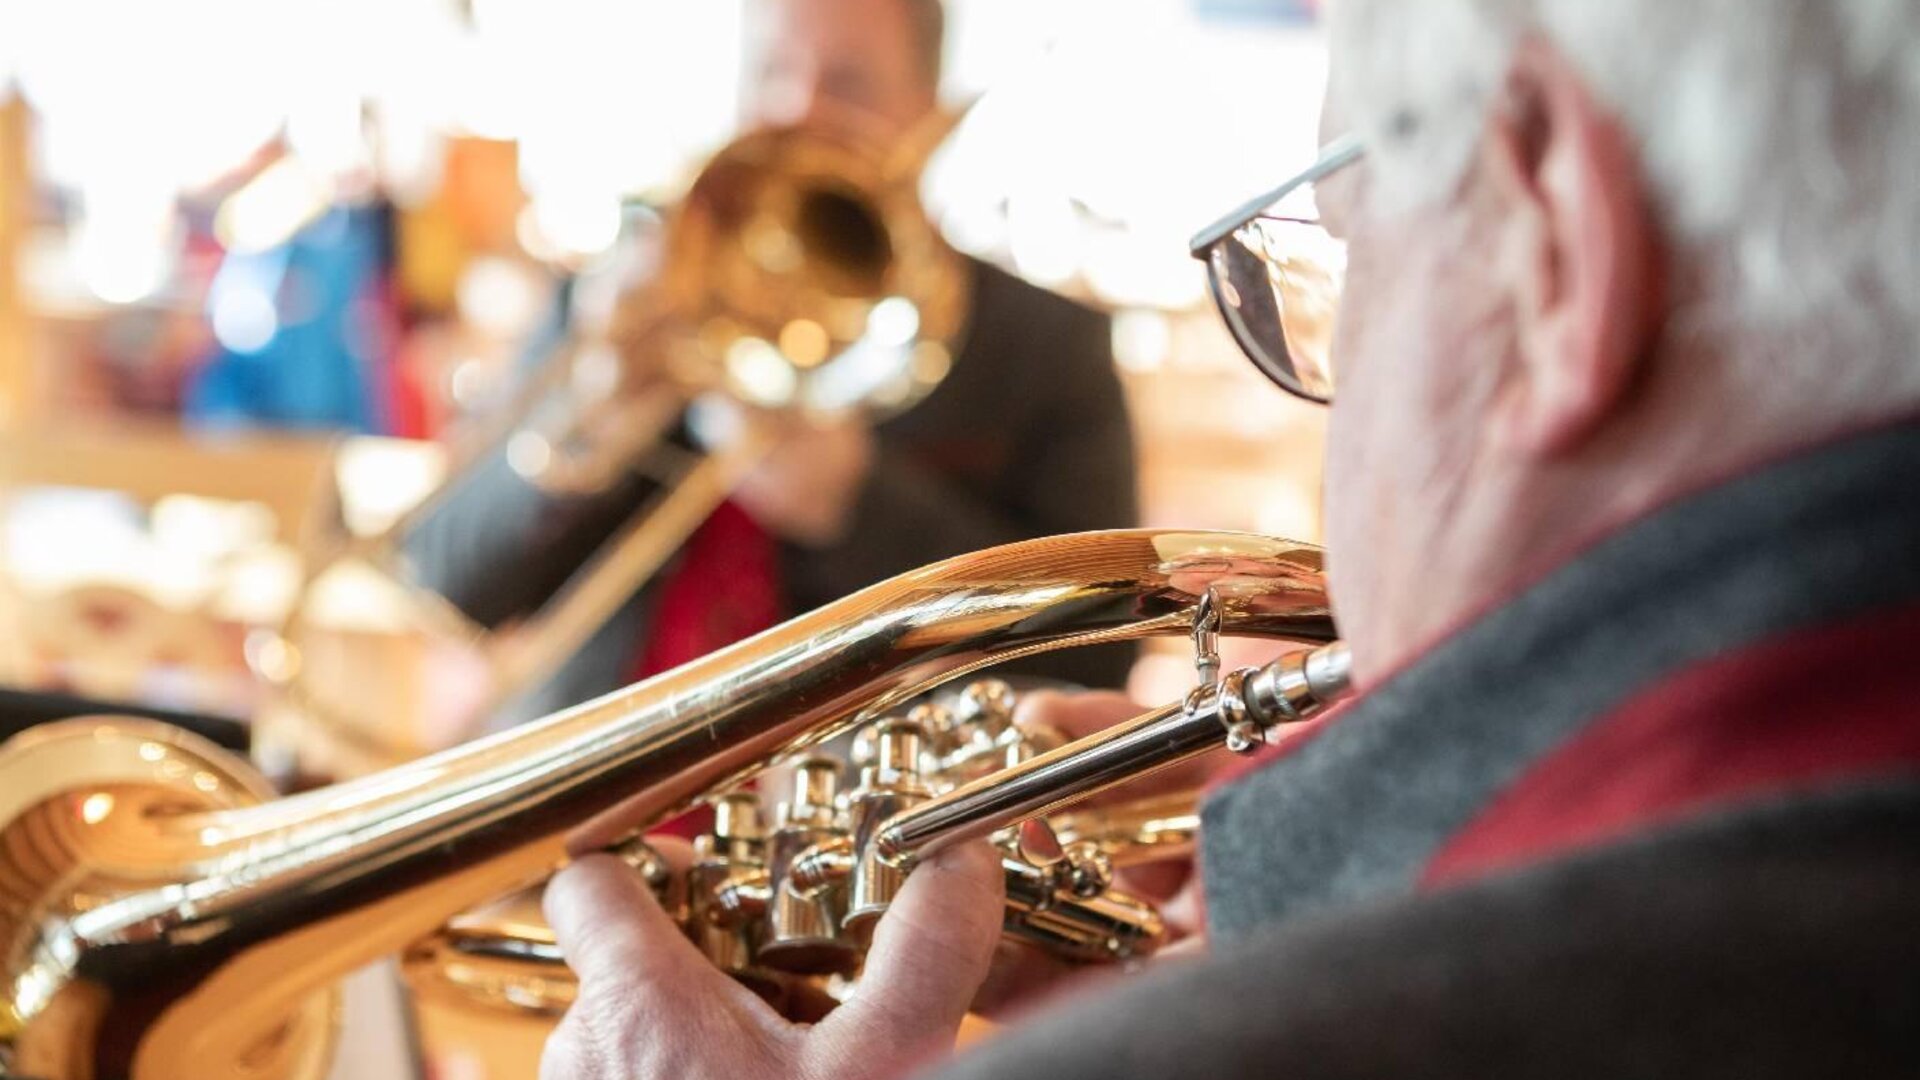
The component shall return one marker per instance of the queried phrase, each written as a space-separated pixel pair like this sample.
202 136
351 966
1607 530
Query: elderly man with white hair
1623 505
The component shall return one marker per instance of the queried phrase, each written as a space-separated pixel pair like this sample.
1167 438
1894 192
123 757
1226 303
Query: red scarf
725 588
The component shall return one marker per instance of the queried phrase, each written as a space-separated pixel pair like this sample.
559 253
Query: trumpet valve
739 898
985 711
738 834
802 926
896 759
1085 870
823 866
816 780
980 737
654 870
889 785
936 726
726 888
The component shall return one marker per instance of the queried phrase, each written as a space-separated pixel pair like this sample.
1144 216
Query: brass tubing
592 595
1210 718
1108 927
516 966
1154 829
199 932
1027 790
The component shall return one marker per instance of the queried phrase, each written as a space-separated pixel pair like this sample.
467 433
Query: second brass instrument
799 275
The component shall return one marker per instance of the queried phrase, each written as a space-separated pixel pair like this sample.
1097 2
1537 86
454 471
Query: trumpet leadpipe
1240 711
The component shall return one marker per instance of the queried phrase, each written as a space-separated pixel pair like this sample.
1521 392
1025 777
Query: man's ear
1580 256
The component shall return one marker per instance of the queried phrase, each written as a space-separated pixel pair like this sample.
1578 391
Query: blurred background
262 263
278 277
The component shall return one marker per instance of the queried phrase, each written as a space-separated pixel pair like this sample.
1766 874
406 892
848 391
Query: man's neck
1746 642
1689 431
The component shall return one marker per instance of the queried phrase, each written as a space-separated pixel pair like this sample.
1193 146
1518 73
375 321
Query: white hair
1780 141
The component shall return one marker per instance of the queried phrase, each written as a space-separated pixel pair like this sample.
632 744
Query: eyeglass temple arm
1334 156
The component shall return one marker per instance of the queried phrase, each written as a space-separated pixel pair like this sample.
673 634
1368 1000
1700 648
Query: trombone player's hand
806 487
807 473
650 1004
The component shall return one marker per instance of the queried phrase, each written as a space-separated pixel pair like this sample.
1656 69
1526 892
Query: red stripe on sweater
1805 711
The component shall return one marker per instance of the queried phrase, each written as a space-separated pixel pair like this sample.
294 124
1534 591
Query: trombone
800 274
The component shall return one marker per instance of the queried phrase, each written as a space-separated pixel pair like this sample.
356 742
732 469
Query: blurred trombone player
1027 435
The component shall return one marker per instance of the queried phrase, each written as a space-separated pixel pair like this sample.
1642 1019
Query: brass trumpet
776 906
162 917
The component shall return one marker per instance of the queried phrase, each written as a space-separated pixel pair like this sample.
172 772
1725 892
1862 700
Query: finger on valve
929 957
613 932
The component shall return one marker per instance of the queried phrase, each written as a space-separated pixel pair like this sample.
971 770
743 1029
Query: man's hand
806 488
651 1005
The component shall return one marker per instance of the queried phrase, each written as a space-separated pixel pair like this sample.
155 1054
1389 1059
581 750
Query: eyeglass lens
1278 281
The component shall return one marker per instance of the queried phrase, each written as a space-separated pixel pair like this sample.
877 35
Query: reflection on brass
773 921
1144 831
185 927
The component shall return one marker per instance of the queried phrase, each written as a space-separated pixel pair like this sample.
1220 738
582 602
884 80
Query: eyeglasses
1277 275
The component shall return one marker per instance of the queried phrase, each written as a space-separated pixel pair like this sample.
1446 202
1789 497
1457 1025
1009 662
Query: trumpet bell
66 849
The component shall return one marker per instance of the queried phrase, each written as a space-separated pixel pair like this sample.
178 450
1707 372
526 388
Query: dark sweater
1656 816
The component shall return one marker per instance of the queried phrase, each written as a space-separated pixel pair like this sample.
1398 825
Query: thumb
613 932
930 954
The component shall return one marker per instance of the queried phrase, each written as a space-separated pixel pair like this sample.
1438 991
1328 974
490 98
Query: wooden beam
19 390
291 474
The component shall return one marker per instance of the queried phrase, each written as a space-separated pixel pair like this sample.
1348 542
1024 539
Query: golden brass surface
803 904
156 927
1143 831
